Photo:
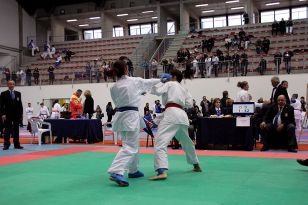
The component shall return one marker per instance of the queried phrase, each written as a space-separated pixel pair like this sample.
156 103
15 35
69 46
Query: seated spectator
216 110
279 126
68 54
262 66
58 60
34 49
52 51
289 26
266 45
275 28
36 76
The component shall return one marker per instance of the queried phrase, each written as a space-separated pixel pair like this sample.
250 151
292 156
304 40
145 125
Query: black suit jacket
287 115
281 91
213 111
11 108
88 105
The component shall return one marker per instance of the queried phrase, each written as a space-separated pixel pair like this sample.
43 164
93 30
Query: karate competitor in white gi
173 124
126 95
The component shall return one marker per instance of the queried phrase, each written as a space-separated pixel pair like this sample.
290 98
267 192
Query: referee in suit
11 112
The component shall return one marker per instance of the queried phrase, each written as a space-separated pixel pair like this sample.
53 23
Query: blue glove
165 78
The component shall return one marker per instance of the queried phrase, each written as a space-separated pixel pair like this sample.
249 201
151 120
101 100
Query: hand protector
165 78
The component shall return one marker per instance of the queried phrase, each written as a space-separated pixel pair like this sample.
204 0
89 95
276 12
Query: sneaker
303 162
119 179
197 168
135 175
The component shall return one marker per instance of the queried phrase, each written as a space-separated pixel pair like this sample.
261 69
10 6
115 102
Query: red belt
173 105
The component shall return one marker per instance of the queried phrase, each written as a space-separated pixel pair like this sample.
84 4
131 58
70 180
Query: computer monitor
243 108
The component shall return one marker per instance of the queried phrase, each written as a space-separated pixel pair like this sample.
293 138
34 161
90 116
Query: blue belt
126 108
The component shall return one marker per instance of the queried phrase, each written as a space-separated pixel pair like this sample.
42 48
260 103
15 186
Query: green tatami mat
82 179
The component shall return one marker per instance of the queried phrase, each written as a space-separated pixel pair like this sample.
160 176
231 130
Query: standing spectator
262 66
110 112
287 60
22 75
277 60
205 105
88 108
165 63
195 67
106 70
28 76
279 89
36 76
58 60
51 75
210 44
225 97
88 69
99 113
14 76
303 104
154 65
246 18
33 48
236 63
275 28
130 67
244 64
7 73
242 95
228 61
266 45
215 62
11 113
208 66
282 26
97 71
289 26
170 66
258 46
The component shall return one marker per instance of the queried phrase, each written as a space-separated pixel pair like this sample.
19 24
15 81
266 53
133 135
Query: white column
184 17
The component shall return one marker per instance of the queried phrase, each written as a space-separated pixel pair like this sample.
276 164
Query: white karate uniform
208 66
173 124
195 68
55 114
34 48
297 114
242 96
127 92
22 77
29 112
51 52
44 112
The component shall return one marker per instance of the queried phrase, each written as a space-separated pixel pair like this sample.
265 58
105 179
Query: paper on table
243 122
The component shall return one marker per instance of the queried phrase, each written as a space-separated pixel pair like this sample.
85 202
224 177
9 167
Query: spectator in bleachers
68 54
287 55
303 104
201 64
221 58
34 49
203 45
130 67
106 70
36 76
275 28
170 66
165 62
154 65
225 97
277 61
14 76
58 60
215 62
195 67
266 45
7 73
242 36
258 46
52 51
88 73
97 72
227 61
28 76
236 63
289 25
208 66
262 66
228 42
244 64
210 44
235 42
282 26
51 75
246 18
22 76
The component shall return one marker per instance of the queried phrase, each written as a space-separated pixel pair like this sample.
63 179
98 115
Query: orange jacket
75 106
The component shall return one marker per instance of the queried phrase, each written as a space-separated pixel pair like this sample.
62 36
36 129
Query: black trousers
11 128
244 66
281 139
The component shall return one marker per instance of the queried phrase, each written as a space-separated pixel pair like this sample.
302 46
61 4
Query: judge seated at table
228 110
216 110
279 126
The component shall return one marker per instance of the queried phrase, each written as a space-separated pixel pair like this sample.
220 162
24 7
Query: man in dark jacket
262 66
287 60
278 90
282 26
11 113
277 60
279 124
266 45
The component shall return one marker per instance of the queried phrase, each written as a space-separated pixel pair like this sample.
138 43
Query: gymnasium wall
260 86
